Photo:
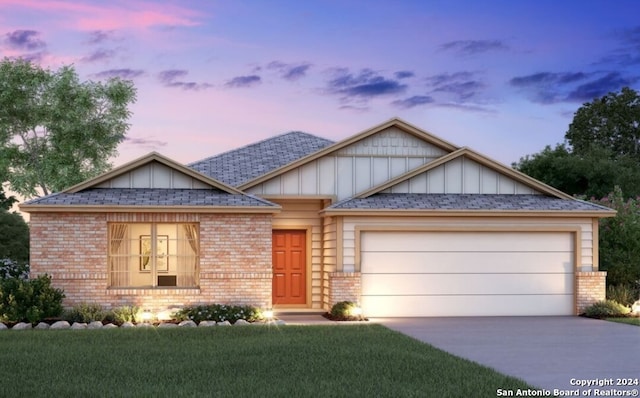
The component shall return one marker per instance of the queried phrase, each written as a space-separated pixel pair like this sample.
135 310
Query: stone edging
63 325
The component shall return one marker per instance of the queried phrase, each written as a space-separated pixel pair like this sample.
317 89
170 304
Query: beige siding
351 224
394 142
154 175
329 257
355 168
303 214
461 175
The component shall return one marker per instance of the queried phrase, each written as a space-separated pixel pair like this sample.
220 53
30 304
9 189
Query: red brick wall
590 288
344 286
235 259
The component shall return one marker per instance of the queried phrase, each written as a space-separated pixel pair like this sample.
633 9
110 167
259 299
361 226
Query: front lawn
628 320
255 361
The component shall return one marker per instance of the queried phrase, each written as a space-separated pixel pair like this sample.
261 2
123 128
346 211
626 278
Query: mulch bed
344 318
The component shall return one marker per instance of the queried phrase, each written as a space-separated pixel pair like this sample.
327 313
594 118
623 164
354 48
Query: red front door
289 267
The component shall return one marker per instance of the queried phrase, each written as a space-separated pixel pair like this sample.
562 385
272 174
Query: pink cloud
115 15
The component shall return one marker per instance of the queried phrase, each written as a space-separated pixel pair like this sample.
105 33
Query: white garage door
467 273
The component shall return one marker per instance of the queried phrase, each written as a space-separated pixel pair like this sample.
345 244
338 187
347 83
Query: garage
467 273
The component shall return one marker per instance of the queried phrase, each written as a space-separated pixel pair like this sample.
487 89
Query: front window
153 255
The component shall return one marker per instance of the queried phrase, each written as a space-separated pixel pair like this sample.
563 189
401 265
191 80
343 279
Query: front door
289 267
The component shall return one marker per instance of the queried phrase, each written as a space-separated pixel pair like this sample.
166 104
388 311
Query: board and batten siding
354 168
351 224
154 175
461 176
303 214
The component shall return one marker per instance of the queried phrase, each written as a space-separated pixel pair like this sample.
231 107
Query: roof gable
362 144
465 172
150 172
244 164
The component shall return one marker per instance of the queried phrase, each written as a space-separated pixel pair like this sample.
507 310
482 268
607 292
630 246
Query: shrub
120 315
220 313
30 300
343 309
606 308
623 294
85 313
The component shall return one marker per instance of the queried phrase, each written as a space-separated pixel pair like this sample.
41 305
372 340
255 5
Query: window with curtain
154 254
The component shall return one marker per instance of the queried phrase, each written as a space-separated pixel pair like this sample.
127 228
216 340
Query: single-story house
393 218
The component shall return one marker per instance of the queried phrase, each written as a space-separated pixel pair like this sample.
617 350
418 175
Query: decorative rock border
64 325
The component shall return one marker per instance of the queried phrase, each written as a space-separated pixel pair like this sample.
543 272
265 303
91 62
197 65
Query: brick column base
590 288
344 286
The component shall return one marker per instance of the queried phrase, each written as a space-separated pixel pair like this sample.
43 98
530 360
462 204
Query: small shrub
343 309
85 313
120 315
30 300
623 294
220 313
606 308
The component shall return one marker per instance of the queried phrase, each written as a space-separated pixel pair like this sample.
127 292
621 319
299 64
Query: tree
601 150
593 173
14 237
611 122
56 131
6 203
620 241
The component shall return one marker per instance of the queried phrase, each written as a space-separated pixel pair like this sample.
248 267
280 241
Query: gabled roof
483 160
466 204
395 122
210 196
149 158
244 164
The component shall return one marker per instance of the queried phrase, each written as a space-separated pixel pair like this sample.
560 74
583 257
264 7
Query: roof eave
467 213
149 209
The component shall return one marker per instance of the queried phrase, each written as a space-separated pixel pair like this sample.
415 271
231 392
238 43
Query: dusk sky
502 77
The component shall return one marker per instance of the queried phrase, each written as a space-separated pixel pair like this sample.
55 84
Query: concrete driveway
547 352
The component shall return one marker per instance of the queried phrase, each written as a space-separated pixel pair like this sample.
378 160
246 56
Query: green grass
254 361
630 321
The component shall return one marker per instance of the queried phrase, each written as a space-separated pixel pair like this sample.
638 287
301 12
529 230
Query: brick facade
590 288
235 262
235 259
344 286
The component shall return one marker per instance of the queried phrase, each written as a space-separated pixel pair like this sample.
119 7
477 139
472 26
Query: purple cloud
99 55
25 40
403 74
289 72
554 87
463 85
473 47
363 85
100 36
244 81
414 101
612 81
169 78
147 143
125 73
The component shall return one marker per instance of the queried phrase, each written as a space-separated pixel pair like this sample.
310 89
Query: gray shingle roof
249 162
400 201
151 197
